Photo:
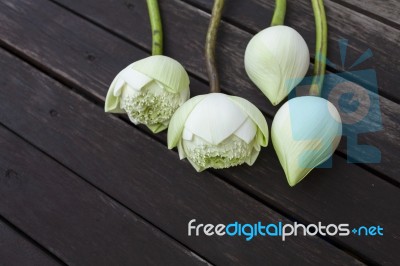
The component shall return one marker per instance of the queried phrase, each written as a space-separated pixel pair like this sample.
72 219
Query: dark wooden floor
81 187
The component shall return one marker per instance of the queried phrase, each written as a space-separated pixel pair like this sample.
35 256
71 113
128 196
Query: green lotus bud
149 91
276 60
218 131
305 133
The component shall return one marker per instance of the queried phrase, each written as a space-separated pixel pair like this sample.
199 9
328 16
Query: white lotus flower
276 60
218 131
149 91
305 133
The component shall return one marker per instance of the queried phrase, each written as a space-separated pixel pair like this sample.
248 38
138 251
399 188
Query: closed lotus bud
149 91
305 133
218 131
276 60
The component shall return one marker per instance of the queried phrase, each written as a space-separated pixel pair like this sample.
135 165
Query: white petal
253 156
135 79
305 132
247 131
215 118
181 151
276 60
118 87
178 120
112 103
257 117
160 84
187 135
263 69
165 70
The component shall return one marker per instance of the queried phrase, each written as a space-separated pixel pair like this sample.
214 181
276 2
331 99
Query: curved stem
156 27
210 45
279 13
321 46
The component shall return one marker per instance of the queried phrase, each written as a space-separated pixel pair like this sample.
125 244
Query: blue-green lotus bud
218 131
149 91
305 133
276 60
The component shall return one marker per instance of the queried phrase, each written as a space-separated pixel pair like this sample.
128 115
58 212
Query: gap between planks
184 249
84 179
29 240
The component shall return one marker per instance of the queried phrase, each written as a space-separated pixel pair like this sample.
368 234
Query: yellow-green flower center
231 152
151 105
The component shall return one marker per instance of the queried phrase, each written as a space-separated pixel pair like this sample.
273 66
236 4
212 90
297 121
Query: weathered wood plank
387 10
108 63
16 250
120 160
361 31
75 221
132 23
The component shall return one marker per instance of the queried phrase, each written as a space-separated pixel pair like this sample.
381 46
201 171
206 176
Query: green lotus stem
279 13
156 27
210 45
321 46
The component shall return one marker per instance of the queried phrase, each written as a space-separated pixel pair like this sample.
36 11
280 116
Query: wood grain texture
132 23
16 250
120 160
111 56
387 10
78 223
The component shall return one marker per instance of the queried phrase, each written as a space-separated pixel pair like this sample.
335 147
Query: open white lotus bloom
305 133
218 131
149 91
276 60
